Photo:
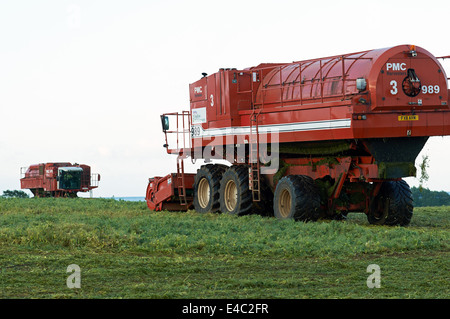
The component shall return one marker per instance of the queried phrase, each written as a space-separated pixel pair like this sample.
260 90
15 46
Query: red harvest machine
307 140
58 179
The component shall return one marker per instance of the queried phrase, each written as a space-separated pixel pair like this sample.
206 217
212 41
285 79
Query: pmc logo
198 90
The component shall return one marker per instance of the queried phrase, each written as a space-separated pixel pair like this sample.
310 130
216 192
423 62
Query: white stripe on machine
197 131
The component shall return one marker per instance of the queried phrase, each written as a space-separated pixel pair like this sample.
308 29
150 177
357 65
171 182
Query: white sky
85 81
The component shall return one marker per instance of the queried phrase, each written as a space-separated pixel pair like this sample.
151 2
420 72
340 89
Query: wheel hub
284 204
204 193
230 196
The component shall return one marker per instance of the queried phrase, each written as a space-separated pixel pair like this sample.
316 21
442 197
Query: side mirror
165 123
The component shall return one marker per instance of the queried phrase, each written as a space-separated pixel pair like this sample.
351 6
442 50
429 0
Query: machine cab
69 177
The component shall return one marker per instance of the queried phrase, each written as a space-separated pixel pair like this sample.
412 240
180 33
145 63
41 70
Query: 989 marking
430 89
195 131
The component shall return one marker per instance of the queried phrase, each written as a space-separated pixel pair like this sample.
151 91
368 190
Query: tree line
425 197
14 194
422 196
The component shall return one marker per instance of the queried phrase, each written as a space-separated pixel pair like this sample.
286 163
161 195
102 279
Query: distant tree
15 193
425 197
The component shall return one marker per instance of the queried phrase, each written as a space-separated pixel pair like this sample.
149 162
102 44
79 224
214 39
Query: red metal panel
325 90
446 119
161 193
391 82
198 90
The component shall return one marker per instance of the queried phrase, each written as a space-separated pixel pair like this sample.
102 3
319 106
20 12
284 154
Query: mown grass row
127 251
107 224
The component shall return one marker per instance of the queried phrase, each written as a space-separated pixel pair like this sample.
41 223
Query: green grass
126 251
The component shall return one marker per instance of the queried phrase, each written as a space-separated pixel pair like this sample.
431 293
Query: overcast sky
86 81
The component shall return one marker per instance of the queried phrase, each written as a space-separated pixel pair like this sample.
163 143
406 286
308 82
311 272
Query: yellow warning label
408 117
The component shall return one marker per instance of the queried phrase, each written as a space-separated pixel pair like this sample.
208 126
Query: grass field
126 251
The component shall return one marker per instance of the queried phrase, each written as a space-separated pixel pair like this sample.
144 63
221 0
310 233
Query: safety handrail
301 83
182 131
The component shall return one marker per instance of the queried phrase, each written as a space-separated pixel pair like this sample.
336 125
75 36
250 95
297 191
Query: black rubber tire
236 175
393 206
301 196
212 174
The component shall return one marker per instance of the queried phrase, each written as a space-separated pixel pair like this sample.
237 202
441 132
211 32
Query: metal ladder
180 181
254 174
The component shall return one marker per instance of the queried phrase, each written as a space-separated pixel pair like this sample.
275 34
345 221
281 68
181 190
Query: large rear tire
393 205
296 197
206 188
